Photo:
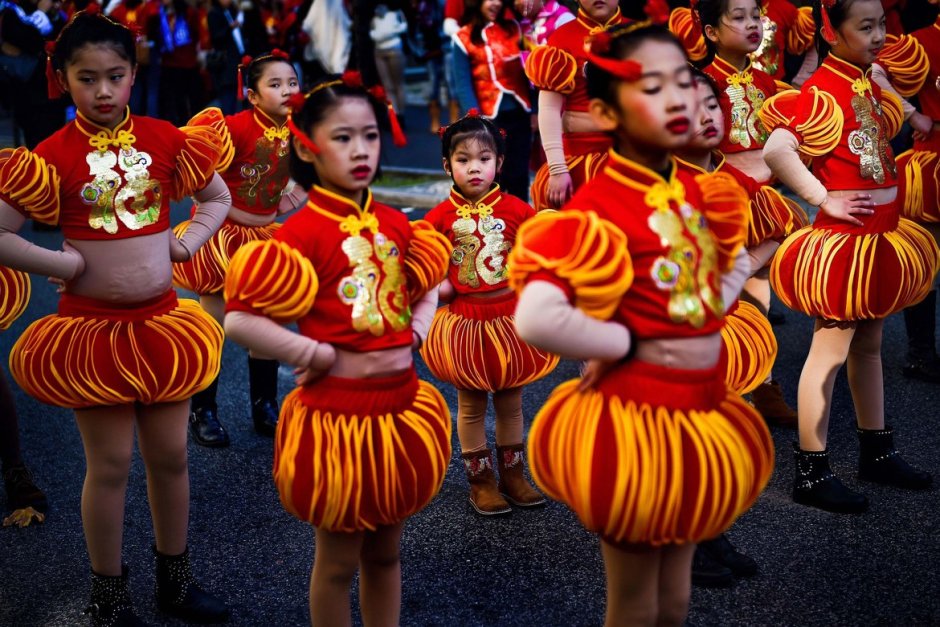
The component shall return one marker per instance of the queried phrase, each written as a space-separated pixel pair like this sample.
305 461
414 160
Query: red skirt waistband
371 396
675 388
884 219
584 143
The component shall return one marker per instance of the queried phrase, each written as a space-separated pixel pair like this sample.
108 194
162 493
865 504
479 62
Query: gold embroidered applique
869 142
258 186
486 260
135 200
746 100
767 55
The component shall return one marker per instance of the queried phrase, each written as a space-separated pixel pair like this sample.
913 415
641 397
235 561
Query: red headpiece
625 70
53 87
657 11
826 30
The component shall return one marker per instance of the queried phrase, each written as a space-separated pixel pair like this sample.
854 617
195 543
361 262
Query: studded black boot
204 424
880 462
816 486
262 385
111 602
179 595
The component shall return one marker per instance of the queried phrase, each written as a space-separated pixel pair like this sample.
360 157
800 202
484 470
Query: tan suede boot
454 111
767 398
434 109
484 496
512 482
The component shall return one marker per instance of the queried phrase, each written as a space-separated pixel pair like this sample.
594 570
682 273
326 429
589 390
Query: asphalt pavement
531 568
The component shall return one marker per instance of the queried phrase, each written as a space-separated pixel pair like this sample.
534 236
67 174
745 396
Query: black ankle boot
708 572
204 424
179 595
920 322
262 384
816 486
880 462
727 554
111 602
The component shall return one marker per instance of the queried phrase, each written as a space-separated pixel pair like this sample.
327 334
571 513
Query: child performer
575 149
919 188
472 343
122 351
490 77
634 275
732 32
26 501
254 167
858 262
362 444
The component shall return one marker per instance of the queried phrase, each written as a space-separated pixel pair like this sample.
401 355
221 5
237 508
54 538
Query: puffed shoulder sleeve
802 33
214 117
812 115
426 259
906 62
29 184
197 160
271 278
682 24
892 113
580 252
725 205
552 69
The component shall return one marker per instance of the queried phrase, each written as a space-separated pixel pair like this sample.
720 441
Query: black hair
255 68
837 15
473 15
318 104
701 77
92 28
472 128
625 38
709 14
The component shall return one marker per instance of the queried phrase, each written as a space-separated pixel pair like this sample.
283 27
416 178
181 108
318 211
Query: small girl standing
635 275
859 262
490 77
254 167
361 444
472 343
122 351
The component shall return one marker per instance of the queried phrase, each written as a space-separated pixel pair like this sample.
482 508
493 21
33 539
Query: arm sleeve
212 205
463 81
422 313
294 196
546 319
267 337
426 260
781 152
550 110
21 254
270 278
733 281
880 76
812 115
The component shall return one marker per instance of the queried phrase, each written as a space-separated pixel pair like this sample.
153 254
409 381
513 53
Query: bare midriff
880 196
127 270
686 353
751 162
577 122
370 364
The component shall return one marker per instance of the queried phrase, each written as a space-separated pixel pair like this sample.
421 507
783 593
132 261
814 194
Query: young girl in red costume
361 444
122 351
254 167
472 343
858 262
575 149
634 275
733 31
490 77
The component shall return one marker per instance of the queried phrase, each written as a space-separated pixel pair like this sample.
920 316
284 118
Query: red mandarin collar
592 25
101 137
327 202
843 68
622 168
265 121
718 158
489 199
726 69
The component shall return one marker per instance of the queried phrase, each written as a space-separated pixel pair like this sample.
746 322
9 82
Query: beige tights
471 413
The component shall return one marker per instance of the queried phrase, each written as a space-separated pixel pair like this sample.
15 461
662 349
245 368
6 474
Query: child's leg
510 450
471 411
336 558
108 438
9 427
632 585
675 584
827 353
866 378
768 398
477 458
380 577
161 435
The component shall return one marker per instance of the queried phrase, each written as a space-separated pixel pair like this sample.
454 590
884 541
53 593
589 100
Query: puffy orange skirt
838 271
748 348
473 345
205 272
94 353
653 455
585 156
919 181
354 454
772 216
14 295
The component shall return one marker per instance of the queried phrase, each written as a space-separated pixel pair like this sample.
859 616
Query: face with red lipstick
99 81
652 116
277 83
709 127
349 142
861 35
738 31
473 165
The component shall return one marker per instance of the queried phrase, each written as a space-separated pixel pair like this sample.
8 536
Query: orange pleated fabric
355 454
748 348
683 25
14 295
585 157
473 345
551 68
205 272
919 180
94 353
639 471
838 271
906 62
773 216
426 260
30 184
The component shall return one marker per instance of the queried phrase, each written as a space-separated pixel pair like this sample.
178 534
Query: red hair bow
279 54
473 112
352 78
827 31
657 11
625 70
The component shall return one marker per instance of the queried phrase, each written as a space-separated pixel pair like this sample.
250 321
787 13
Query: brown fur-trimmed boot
484 495
512 482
